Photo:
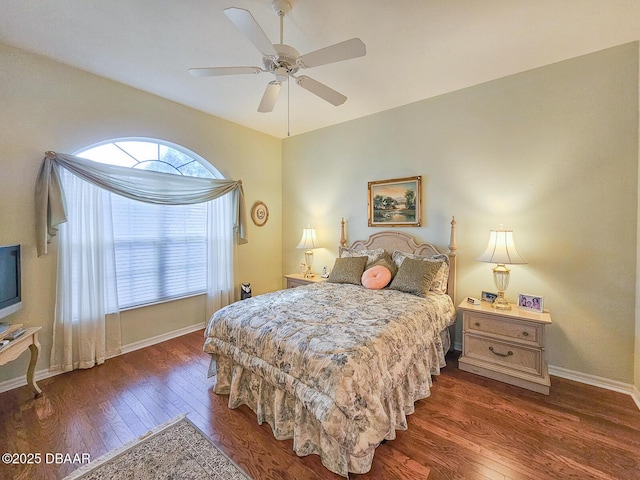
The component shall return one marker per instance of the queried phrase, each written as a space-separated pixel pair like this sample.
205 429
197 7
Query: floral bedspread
341 351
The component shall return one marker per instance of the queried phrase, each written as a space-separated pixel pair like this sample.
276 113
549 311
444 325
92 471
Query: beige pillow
372 255
439 284
347 270
415 276
386 261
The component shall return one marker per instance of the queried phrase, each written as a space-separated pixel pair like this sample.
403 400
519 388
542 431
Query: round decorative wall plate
259 213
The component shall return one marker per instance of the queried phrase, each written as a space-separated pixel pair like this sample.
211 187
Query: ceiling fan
284 61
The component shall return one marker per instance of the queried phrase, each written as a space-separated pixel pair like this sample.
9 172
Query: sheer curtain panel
86 328
73 196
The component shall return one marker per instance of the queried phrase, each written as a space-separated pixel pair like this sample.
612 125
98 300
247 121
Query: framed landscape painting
395 203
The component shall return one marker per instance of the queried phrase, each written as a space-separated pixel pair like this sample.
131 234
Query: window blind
160 251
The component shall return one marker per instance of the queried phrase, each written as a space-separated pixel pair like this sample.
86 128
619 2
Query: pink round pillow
376 277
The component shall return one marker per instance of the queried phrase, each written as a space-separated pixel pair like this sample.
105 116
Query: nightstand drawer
296 280
295 283
509 355
485 324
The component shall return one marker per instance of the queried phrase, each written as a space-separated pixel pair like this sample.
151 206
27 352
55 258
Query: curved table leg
35 351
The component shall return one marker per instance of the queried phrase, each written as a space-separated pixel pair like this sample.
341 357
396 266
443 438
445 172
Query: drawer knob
525 334
477 324
508 354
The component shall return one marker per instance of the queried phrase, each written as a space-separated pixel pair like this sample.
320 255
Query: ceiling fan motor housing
284 64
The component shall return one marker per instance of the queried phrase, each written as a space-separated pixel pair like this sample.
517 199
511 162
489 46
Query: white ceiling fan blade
218 71
321 90
335 53
270 96
244 21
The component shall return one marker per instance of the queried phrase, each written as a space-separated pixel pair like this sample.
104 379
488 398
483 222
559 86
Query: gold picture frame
396 202
259 213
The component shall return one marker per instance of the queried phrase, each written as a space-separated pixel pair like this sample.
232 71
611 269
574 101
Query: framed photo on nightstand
488 296
530 302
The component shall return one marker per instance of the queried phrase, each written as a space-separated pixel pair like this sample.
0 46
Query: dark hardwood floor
470 427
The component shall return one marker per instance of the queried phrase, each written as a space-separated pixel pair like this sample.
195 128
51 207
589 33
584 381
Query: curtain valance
142 185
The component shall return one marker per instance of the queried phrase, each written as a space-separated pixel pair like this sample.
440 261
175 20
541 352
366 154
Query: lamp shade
501 249
309 239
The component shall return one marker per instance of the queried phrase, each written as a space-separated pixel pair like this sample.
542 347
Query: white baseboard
592 380
636 396
147 342
22 380
596 381
46 373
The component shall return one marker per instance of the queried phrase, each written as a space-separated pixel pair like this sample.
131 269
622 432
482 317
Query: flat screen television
10 288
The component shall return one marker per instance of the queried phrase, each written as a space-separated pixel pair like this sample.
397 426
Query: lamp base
500 303
501 279
308 260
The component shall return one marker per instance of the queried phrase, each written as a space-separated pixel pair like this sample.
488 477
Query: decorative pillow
415 276
376 277
347 270
372 255
439 284
386 261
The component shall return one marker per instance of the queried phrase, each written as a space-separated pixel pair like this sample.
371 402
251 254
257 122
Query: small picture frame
530 302
488 296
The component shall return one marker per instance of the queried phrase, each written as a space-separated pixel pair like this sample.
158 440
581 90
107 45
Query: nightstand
295 280
506 345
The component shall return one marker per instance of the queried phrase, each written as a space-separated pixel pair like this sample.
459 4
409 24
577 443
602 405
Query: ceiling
416 49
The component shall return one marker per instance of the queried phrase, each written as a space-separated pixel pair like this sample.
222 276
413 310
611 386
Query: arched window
159 249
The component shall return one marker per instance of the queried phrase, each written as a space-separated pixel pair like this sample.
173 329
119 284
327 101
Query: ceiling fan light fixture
281 73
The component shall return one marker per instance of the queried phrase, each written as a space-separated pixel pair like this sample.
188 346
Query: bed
337 367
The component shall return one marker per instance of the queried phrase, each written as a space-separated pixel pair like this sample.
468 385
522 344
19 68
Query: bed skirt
289 419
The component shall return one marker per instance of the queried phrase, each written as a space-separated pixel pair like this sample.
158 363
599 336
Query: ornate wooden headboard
392 240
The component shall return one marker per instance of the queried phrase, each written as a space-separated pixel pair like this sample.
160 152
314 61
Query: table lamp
308 242
501 250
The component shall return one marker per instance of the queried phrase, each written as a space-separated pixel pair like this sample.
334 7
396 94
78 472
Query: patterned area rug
175 450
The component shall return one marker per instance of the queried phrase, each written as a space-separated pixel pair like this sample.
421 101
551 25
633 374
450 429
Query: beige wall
45 105
551 153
